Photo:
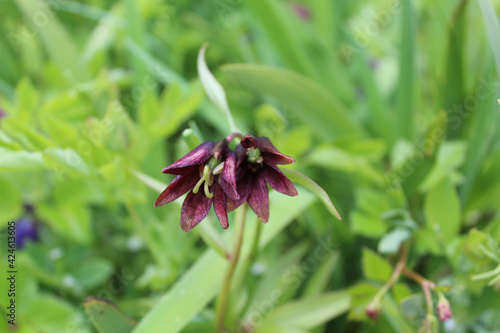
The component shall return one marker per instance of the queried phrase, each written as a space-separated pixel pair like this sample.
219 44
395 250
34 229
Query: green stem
233 262
254 251
400 266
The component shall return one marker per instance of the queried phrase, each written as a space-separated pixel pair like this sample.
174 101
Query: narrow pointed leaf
308 183
214 89
311 312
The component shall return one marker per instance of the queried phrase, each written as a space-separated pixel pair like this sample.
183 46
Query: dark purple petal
243 187
271 154
179 186
220 206
258 199
190 162
194 209
278 181
228 178
219 149
241 154
249 141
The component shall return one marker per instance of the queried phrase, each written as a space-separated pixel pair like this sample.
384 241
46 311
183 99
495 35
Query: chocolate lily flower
211 165
256 167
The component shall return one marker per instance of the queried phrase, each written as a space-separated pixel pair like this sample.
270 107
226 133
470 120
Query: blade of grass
156 68
56 38
484 127
284 35
406 91
135 29
382 124
453 82
493 29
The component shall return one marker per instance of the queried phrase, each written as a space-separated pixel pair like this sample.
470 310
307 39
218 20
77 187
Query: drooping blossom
255 169
211 165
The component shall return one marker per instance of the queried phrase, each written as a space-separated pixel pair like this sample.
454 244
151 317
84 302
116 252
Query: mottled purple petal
258 199
179 186
228 178
194 209
243 187
220 206
278 181
192 160
271 154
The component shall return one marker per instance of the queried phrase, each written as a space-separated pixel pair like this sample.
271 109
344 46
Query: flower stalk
233 262
373 308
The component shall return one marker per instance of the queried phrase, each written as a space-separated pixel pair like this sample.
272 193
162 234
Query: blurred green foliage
390 106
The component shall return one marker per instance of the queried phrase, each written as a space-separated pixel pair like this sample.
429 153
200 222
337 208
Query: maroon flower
212 165
256 167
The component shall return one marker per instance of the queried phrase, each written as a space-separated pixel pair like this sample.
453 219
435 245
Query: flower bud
373 311
443 308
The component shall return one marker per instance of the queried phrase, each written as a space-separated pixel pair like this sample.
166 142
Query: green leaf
48 313
442 209
106 316
310 312
400 292
65 162
27 97
367 225
64 134
93 272
71 220
20 160
11 204
311 102
313 187
451 155
375 267
214 89
390 243
188 296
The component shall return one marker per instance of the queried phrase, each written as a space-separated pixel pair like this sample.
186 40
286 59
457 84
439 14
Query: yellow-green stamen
218 169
